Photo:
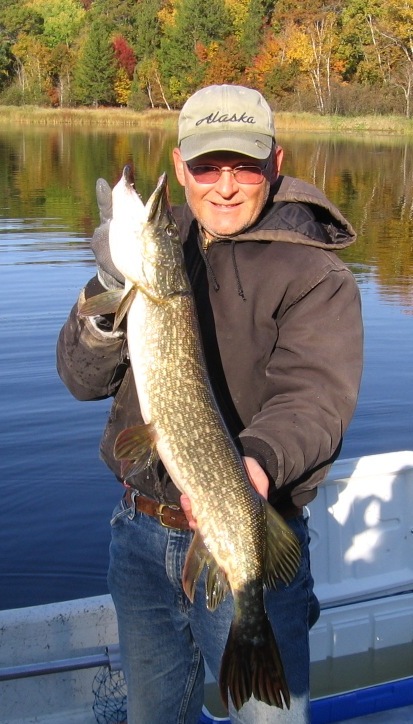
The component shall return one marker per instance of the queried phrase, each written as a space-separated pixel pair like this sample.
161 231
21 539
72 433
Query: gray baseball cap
226 118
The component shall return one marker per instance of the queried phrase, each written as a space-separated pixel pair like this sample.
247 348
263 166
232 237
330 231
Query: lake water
57 496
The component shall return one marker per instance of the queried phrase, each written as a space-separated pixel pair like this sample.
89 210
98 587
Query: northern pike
241 539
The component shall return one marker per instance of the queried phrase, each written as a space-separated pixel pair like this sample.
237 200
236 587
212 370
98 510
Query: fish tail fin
253 669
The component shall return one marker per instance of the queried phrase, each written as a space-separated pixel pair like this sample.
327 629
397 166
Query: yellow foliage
238 10
167 14
122 87
269 55
298 47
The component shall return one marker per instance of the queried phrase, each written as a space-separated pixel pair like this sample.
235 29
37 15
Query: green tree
62 20
16 18
197 24
252 28
147 86
122 16
148 31
95 70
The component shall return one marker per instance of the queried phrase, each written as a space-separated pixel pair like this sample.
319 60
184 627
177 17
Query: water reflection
48 176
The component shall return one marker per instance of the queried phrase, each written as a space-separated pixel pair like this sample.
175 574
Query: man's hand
257 476
108 274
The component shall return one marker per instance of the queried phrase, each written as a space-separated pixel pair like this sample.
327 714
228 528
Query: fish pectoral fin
283 552
136 444
136 448
124 305
129 468
105 303
196 558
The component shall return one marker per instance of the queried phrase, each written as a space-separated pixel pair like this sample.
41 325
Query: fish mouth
127 175
158 202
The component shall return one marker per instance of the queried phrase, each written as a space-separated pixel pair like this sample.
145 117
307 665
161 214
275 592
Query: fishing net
109 689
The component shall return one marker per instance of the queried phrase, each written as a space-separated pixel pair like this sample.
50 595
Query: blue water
57 496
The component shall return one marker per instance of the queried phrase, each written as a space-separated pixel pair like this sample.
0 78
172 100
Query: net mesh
109 690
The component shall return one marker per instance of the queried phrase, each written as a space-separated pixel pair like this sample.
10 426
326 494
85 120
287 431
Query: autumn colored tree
33 69
394 35
309 38
311 54
224 62
125 65
124 55
62 61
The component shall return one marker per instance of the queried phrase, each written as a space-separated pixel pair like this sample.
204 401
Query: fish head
162 252
144 239
125 227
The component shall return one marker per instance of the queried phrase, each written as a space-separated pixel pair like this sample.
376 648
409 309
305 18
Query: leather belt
170 516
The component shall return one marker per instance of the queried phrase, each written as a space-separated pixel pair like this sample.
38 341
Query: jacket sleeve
312 383
91 358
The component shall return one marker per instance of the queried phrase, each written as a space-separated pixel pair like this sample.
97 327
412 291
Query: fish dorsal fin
283 553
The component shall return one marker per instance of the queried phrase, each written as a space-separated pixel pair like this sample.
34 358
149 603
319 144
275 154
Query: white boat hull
362 557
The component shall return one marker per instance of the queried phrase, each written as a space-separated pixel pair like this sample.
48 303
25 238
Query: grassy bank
118 117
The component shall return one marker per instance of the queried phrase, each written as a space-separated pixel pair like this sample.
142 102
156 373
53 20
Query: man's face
226 207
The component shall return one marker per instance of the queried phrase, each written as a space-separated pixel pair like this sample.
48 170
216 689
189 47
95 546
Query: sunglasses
206 174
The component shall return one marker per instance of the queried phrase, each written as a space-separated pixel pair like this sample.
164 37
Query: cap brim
255 145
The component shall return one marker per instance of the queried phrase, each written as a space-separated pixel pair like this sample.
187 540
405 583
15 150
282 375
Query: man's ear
277 159
179 166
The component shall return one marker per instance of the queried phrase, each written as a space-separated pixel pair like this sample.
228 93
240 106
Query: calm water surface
57 496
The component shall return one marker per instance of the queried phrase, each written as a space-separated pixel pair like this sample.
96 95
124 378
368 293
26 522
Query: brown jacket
280 319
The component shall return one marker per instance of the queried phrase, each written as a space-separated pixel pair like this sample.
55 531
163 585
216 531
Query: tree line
345 57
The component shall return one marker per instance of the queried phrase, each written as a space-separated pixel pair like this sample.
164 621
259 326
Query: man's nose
227 183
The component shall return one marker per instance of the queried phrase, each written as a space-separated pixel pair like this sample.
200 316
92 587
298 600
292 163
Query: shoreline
167 120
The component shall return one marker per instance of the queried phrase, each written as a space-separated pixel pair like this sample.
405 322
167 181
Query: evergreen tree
197 25
122 16
95 70
148 31
252 30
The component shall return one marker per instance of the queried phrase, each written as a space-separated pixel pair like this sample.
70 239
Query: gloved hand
108 274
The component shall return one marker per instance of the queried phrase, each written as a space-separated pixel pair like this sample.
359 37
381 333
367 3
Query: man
280 320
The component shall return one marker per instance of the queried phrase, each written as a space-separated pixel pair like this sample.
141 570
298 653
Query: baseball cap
226 118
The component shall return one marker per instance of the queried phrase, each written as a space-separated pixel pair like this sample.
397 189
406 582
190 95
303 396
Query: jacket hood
297 212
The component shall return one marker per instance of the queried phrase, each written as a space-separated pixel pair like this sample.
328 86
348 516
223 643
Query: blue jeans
164 639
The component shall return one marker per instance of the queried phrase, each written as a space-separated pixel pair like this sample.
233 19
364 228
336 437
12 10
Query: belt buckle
160 514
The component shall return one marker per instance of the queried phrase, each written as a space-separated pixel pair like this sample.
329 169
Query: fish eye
170 229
